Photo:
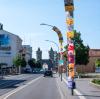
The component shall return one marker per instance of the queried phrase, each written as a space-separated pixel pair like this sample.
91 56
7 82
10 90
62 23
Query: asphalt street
35 86
43 88
11 82
38 87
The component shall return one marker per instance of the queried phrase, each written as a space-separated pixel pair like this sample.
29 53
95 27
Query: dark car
27 70
48 73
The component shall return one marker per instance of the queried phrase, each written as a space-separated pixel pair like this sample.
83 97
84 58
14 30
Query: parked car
27 70
48 73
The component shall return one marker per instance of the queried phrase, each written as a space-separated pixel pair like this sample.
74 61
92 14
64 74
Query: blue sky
23 17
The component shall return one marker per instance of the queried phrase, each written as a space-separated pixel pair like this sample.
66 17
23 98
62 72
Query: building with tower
51 62
38 55
51 55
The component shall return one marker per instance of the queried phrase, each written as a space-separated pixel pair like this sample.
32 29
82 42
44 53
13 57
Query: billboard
5 46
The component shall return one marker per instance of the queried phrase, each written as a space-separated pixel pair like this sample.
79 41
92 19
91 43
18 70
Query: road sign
61 62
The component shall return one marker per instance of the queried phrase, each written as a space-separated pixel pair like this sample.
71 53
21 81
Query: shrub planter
95 82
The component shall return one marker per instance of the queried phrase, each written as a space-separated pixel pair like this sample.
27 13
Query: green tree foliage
97 63
32 63
23 62
81 51
38 64
17 61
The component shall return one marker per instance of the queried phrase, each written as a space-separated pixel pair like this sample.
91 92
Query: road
11 82
36 87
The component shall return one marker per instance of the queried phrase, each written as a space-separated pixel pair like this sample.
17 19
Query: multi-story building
10 45
27 50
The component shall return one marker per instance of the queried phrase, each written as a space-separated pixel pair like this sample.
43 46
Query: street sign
61 62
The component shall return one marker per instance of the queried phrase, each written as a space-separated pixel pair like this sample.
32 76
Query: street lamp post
54 43
58 50
54 28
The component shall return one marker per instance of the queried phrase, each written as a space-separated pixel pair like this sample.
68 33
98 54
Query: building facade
51 55
10 44
94 54
27 50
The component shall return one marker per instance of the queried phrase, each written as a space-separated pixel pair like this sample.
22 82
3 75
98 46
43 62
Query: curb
95 85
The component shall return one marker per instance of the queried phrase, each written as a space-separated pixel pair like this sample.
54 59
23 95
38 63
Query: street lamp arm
47 25
54 28
54 43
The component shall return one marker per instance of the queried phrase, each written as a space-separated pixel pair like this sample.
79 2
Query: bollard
71 85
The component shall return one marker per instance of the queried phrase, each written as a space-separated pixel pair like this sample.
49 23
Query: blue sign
61 62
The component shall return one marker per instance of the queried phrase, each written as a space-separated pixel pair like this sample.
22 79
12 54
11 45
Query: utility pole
69 8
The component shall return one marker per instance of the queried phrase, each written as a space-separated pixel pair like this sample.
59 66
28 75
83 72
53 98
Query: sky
23 18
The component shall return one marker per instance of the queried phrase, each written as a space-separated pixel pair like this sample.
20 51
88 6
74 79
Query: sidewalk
84 89
1 77
65 91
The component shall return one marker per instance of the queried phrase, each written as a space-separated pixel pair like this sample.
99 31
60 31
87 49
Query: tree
81 51
38 64
17 61
97 63
32 63
23 62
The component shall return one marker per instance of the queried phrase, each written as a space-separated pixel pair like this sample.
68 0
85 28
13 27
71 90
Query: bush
96 81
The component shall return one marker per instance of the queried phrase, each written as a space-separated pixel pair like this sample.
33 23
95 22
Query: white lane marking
61 94
75 90
13 79
5 96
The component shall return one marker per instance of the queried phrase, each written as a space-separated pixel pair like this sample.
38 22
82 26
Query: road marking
58 86
76 91
5 96
11 81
